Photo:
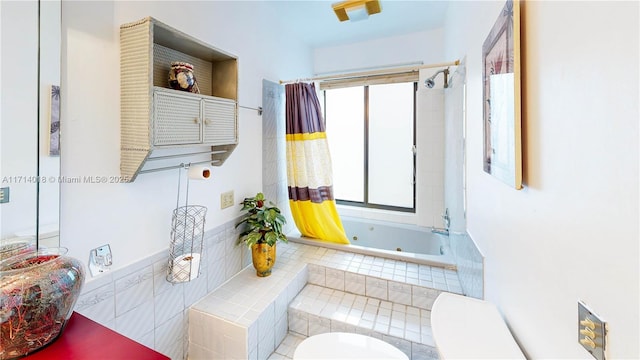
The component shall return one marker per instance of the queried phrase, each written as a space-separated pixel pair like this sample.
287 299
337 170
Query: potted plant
263 230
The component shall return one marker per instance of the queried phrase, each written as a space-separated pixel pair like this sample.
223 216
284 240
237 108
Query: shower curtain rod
388 71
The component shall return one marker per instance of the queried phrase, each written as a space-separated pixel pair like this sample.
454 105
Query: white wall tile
197 352
252 338
168 304
146 339
137 322
235 348
216 274
282 327
335 279
316 274
355 283
171 330
423 352
266 322
266 346
233 258
160 283
376 288
281 305
98 304
400 293
470 265
318 325
133 290
169 337
299 322
194 290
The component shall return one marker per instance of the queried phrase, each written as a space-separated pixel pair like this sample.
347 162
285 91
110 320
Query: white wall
572 232
135 218
426 46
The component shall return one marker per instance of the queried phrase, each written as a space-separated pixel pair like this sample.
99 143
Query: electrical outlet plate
588 320
226 199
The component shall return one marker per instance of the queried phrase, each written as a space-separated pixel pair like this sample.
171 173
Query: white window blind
403 77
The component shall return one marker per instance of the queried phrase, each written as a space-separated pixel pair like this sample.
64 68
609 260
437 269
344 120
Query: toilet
468 328
340 345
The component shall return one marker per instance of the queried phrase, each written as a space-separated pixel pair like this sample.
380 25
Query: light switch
226 199
4 195
592 331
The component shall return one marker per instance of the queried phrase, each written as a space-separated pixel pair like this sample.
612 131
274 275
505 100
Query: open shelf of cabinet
154 116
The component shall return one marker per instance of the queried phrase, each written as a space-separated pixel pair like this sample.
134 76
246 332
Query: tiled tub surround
247 316
138 302
470 264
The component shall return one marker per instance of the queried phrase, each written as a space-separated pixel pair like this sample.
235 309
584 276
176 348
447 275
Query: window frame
365 203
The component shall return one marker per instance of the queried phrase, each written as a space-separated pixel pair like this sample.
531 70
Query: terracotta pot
264 256
37 293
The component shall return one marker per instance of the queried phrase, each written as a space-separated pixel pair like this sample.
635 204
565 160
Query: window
371 135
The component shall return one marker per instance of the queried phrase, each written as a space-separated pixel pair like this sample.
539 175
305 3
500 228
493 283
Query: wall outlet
4 195
226 199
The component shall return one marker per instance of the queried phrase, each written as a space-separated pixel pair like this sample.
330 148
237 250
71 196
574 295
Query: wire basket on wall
187 238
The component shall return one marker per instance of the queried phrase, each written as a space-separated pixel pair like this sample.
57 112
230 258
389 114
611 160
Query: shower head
430 82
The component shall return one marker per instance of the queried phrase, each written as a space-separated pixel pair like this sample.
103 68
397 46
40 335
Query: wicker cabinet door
220 122
177 119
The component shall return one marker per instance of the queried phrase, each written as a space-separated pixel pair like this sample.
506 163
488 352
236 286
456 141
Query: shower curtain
309 167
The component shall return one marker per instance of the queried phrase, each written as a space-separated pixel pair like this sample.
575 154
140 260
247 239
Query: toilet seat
339 345
468 328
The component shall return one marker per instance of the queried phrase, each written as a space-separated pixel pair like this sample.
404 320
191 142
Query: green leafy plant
264 223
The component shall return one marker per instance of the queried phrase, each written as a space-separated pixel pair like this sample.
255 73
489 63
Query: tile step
399 292
318 309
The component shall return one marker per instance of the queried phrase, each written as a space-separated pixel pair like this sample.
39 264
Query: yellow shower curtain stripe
326 226
306 136
309 174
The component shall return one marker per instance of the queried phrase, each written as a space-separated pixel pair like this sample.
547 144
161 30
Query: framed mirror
501 98
29 171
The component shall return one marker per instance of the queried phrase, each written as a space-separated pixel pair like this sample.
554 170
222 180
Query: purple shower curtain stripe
318 195
304 114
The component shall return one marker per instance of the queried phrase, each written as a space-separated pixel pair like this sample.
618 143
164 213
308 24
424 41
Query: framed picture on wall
502 155
54 121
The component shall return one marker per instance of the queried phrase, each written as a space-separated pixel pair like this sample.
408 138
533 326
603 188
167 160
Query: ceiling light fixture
356 10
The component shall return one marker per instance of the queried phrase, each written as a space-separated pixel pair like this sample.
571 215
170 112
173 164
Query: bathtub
390 240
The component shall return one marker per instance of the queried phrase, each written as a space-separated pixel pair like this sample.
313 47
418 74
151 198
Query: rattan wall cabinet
153 116
180 119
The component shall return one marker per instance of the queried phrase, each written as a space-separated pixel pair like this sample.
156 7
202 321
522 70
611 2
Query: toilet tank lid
468 328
